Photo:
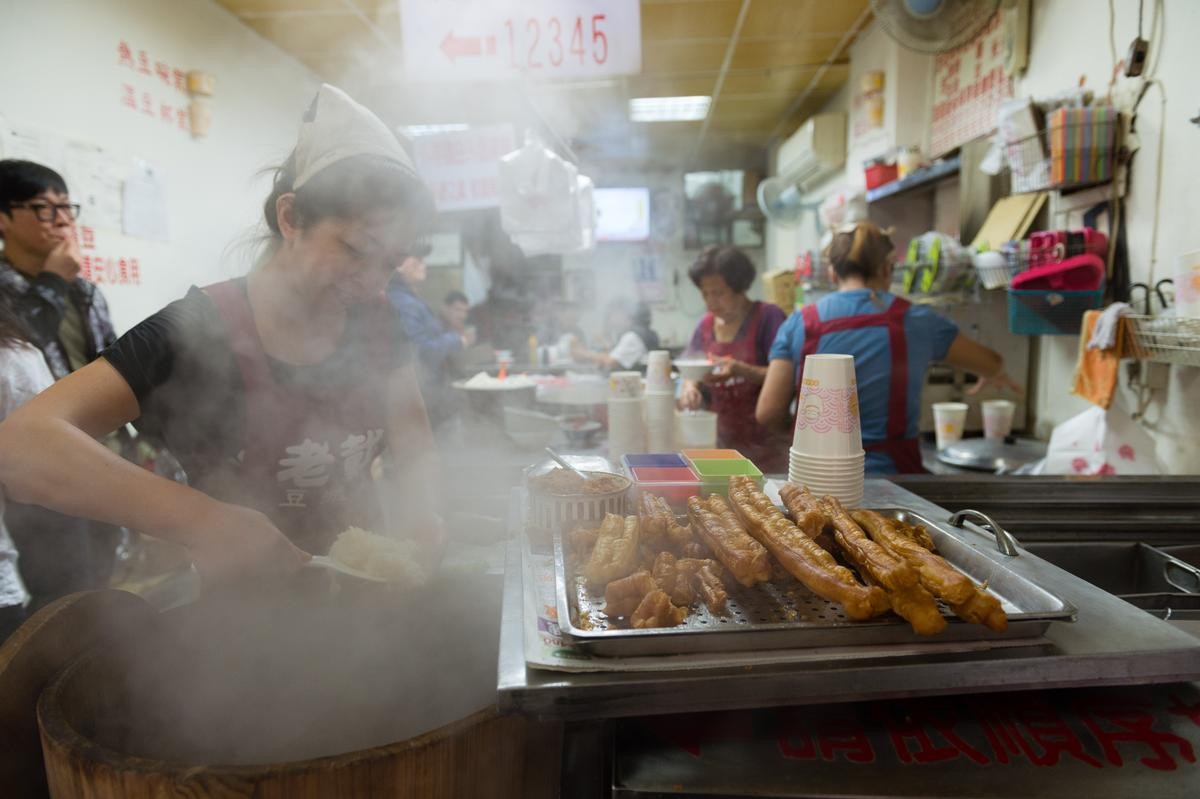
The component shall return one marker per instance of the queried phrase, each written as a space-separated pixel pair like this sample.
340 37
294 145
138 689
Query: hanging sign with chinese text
969 83
458 40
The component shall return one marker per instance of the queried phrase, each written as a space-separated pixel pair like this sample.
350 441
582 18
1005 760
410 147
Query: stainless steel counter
1111 643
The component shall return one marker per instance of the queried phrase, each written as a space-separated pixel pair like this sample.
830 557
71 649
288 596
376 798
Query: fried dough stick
672 580
917 534
656 610
968 601
707 580
655 516
622 597
615 554
803 558
910 599
718 527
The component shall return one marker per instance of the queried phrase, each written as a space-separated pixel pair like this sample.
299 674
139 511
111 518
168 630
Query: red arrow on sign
454 46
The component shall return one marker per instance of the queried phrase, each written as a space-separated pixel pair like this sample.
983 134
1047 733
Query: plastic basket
1050 313
1164 338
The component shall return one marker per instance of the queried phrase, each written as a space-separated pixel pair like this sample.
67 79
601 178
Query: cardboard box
779 288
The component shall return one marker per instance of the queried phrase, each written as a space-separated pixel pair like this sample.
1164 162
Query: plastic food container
551 513
660 460
712 454
714 474
674 484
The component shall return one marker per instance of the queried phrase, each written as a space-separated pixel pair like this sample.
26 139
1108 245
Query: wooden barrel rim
58 730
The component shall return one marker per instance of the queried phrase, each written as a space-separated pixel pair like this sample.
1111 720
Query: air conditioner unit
821 144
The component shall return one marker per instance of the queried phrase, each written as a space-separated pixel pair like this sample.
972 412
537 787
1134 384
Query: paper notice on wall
94 180
144 212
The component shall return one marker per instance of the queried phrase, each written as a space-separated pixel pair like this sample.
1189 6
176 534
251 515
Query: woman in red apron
892 341
736 334
276 391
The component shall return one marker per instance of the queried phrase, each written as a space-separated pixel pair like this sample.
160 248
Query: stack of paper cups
626 432
827 454
658 372
625 385
696 429
658 408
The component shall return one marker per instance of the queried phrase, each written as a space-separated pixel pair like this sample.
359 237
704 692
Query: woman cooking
736 334
892 341
275 391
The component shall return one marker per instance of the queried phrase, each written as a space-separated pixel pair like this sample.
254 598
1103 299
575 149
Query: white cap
335 128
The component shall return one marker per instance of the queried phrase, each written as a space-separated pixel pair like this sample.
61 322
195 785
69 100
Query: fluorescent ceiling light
669 109
412 131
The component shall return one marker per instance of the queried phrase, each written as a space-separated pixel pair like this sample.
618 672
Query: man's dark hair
21 181
456 296
733 265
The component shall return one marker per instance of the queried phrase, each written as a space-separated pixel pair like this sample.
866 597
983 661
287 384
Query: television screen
622 214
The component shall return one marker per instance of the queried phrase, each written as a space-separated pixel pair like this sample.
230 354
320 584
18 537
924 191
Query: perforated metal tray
784 614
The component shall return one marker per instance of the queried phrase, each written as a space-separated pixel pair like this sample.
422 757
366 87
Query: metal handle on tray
1189 574
1004 539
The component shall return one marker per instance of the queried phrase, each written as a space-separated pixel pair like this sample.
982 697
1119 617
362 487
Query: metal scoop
326 562
559 460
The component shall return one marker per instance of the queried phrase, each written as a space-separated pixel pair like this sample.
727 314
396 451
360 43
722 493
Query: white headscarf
336 128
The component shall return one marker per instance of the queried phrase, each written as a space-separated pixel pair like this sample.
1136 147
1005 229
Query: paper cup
625 385
695 429
998 417
827 420
949 419
658 371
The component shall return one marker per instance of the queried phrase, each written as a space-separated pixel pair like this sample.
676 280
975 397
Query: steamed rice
390 559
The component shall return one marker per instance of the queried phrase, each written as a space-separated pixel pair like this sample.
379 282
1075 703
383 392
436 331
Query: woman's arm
968 354
776 394
52 458
414 496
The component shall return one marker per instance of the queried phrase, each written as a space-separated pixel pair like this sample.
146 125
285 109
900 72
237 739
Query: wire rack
1068 155
1169 339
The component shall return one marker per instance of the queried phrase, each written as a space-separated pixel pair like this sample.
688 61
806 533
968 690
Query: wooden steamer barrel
232 698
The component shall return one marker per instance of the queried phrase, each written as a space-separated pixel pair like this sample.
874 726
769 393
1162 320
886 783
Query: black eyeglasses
46 212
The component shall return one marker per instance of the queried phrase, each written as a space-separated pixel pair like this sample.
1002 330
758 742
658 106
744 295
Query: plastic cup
625 385
998 417
827 422
949 419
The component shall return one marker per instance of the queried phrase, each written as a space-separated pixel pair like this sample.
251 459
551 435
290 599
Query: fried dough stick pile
910 599
801 556
717 525
615 554
968 601
660 531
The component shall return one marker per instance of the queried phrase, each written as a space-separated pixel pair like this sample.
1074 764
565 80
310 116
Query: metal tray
784 614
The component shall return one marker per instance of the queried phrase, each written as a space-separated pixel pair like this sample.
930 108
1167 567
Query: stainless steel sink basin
1145 576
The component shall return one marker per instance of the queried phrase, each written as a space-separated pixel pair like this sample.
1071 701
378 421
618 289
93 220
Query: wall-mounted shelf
916 179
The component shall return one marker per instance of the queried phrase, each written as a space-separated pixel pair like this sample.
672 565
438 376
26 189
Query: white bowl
693 368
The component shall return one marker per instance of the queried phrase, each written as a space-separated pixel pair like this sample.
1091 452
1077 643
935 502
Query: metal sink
1143 575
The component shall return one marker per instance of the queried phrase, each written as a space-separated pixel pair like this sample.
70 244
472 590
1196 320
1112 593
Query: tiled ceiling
783 63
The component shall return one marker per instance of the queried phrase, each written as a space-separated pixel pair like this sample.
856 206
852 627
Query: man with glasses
68 320
39 268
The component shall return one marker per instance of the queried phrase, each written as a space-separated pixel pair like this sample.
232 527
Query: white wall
1069 40
60 74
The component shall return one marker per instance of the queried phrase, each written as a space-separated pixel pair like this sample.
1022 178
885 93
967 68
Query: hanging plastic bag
1100 442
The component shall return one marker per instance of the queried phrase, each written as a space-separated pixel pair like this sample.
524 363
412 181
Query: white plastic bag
1101 442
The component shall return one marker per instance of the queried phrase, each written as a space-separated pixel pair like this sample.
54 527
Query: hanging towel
1096 371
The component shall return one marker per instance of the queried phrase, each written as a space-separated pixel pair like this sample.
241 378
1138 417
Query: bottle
533 350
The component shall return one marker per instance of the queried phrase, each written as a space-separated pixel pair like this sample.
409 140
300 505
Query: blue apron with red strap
905 452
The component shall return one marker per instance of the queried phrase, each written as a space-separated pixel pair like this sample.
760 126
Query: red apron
306 461
734 400
905 452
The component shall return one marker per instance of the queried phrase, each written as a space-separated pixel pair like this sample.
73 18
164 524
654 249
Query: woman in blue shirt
893 343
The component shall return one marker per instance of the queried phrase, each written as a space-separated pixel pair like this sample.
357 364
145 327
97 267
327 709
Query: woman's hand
724 367
233 542
690 397
1001 381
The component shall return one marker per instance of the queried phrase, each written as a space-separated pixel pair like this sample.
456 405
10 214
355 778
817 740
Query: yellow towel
1096 371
